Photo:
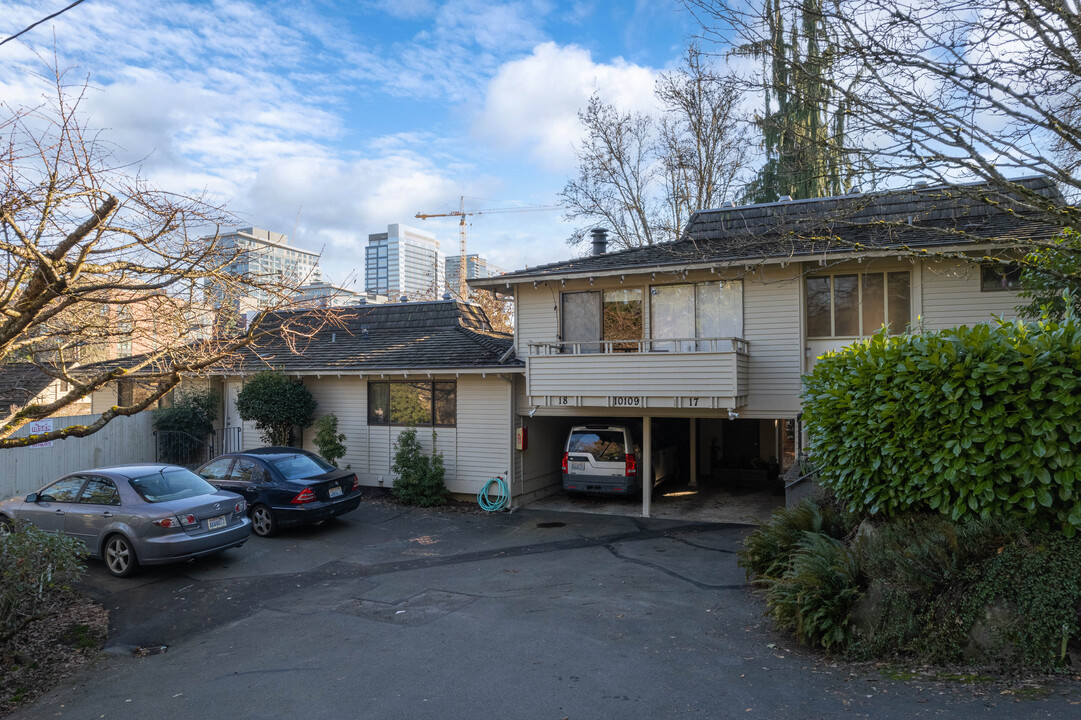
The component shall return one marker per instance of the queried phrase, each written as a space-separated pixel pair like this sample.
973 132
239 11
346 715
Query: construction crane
462 214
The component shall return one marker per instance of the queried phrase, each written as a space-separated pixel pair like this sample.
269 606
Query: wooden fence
124 440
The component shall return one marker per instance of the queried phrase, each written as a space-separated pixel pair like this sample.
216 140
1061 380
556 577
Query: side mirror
32 498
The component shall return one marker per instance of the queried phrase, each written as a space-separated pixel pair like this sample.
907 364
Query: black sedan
284 486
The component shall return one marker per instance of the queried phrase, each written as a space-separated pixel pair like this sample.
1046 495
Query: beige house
705 339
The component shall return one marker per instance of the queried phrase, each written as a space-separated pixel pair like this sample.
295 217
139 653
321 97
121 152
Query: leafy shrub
276 404
35 567
183 426
1051 281
419 478
768 550
974 421
328 439
815 594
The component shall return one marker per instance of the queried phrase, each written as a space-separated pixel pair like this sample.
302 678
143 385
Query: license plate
215 522
578 467
335 491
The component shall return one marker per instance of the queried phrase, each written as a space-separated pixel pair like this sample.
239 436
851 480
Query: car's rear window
300 466
172 484
603 445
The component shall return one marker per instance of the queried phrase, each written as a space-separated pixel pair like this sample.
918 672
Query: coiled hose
501 497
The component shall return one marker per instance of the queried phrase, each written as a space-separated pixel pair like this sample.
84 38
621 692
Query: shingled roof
913 218
20 383
441 335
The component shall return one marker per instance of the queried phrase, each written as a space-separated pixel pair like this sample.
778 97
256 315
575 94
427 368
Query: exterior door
234 427
98 505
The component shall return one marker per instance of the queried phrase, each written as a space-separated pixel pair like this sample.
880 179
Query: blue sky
354 114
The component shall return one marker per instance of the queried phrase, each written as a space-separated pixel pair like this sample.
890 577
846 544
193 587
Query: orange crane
461 213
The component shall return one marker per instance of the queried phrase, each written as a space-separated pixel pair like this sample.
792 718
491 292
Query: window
409 402
65 490
610 315
856 304
217 470
700 310
246 470
995 278
100 491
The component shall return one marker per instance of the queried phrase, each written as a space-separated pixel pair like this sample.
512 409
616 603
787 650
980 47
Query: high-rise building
267 256
403 261
475 267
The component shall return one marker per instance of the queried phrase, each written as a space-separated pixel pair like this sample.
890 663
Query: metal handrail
649 345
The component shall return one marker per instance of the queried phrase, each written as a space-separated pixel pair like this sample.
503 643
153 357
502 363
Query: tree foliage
183 426
101 266
276 404
803 122
641 175
1051 279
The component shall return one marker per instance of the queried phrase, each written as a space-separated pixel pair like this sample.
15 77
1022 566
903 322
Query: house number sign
625 401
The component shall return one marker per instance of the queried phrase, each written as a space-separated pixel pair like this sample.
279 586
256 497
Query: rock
989 637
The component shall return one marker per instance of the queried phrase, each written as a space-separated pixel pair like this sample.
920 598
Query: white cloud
533 102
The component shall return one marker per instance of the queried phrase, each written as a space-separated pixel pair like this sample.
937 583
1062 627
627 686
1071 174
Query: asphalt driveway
391 613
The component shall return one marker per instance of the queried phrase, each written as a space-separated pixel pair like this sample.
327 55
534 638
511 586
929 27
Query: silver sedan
136 514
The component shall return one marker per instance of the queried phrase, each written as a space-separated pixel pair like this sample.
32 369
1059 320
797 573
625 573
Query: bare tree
99 265
952 92
972 94
643 175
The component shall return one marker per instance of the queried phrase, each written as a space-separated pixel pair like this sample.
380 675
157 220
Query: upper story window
994 278
690 311
858 304
591 316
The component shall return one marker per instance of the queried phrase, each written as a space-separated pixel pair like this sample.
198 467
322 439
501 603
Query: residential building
404 261
266 256
475 267
323 294
706 339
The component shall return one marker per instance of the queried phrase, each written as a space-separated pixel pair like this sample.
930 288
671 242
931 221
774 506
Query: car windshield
606 445
300 465
170 484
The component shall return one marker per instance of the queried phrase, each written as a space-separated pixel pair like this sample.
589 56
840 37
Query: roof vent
921 184
364 332
728 204
334 337
403 298
600 240
785 198
855 191
446 296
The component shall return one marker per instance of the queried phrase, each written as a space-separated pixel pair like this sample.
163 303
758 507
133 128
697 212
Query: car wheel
262 521
119 556
6 526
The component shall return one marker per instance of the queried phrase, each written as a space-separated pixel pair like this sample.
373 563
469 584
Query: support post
645 469
694 452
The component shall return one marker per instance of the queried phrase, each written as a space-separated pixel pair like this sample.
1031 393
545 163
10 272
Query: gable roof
442 335
912 218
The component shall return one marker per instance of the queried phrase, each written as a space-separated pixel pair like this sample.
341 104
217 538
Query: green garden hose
501 497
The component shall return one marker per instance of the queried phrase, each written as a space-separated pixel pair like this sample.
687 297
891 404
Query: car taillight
189 520
304 496
356 484
240 507
167 522
632 465
564 463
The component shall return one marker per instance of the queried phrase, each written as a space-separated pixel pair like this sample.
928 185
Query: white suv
605 459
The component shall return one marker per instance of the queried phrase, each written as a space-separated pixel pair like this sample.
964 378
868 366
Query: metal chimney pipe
600 240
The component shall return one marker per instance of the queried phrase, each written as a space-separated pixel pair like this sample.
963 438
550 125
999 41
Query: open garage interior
716 469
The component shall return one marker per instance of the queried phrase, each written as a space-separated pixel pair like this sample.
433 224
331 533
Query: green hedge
973 421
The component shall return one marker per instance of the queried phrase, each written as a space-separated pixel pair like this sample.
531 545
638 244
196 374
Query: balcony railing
706 373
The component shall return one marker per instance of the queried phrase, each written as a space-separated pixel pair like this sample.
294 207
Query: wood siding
124 440
951 296
772 327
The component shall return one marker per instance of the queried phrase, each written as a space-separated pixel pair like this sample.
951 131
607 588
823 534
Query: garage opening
712 469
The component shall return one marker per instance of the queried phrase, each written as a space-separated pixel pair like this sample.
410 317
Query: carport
728 467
